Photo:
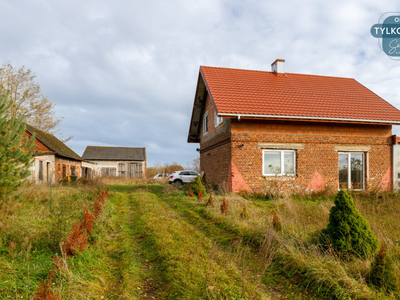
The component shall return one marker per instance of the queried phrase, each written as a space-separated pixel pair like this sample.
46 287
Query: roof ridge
286 73
116 147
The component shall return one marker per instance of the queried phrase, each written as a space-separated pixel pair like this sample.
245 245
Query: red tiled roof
260 93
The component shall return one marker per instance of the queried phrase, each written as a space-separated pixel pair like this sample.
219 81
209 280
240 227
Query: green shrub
382 274
196 185
348 231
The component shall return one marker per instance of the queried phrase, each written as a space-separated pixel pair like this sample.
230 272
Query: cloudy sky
124 73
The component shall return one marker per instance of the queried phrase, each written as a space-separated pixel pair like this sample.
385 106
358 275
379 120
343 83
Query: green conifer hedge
196 185
348 231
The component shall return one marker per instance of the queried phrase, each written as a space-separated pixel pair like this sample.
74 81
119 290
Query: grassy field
152 241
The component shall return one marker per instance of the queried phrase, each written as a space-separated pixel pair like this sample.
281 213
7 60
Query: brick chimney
278 66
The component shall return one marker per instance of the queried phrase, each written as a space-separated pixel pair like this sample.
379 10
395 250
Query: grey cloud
123 73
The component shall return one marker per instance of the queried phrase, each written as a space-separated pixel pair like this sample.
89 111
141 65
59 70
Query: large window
205 123
351 170
279 162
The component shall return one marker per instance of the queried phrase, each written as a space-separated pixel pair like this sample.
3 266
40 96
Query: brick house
52 157
298 132
117 161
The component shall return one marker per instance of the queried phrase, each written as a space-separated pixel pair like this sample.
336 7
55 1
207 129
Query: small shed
51 157
117 161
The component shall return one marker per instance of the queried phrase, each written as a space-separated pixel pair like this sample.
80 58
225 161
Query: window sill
279 177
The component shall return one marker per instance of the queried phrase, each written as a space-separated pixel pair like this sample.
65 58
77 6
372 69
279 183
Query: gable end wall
217 143
40 147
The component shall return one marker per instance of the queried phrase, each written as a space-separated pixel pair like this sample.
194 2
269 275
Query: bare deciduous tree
27 98
194 165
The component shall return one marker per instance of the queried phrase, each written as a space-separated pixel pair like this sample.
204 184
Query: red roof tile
248 92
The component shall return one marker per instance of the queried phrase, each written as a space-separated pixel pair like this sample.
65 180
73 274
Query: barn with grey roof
117 161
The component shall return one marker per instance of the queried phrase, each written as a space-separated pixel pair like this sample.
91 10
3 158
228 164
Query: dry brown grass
45 290
76 241
87 222
276 223
190 192
224 206
97 208
199 195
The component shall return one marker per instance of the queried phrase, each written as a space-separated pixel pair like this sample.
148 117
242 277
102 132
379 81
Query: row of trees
167 168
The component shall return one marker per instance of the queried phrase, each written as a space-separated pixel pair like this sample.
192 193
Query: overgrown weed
302 219
36 224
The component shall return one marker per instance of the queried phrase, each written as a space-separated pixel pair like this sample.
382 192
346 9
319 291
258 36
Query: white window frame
282 152
205 123
349 169
217 120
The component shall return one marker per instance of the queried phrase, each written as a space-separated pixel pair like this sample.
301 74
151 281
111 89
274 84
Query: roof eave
68 157
198 109
113 159
251 116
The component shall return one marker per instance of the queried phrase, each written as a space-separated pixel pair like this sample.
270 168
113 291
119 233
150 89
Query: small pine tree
200 195
348 230
198 185
15 154
224 206
382 273
190 192
210 201
276 223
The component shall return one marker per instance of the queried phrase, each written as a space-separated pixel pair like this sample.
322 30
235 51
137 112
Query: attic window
205 123
217 120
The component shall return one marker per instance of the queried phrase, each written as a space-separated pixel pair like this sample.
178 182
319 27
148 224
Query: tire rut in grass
220 234
131 275
191 214
115 287
227 238
189 257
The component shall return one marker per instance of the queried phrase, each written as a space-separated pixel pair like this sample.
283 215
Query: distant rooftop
53 143
114 153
